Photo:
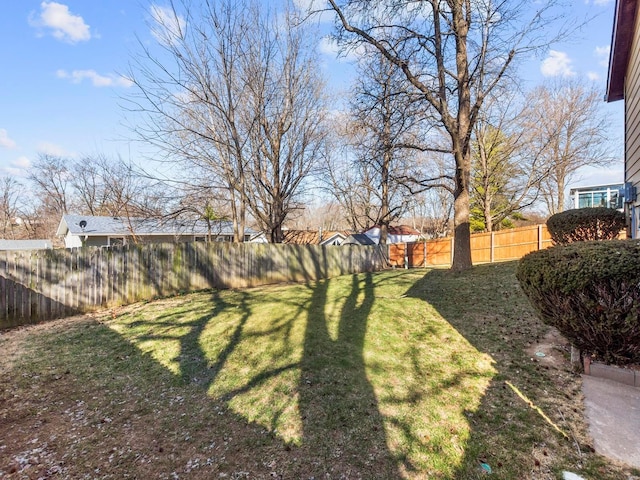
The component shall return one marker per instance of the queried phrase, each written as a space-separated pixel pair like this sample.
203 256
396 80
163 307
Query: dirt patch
552 350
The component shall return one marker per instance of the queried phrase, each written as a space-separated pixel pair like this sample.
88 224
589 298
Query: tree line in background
435 127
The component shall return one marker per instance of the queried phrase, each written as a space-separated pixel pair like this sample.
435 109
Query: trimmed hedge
584 224
589 291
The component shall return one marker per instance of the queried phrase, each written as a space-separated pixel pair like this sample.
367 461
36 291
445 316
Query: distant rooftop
310 237
358 239
94 225
25 244
398 230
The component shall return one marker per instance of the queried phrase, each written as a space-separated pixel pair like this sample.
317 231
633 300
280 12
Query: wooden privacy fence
46 284
489 247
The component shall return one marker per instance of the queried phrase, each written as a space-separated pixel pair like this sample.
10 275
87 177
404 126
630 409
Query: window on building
604 196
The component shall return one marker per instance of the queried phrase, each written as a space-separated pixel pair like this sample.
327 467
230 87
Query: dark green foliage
589 291
584 224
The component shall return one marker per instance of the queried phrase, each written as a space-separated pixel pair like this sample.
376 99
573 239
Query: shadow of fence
47 284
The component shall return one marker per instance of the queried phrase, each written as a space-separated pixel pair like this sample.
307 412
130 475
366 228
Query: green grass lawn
398 374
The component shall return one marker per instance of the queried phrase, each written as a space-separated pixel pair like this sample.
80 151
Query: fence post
406 255
492 240
425 254
539 237
452 246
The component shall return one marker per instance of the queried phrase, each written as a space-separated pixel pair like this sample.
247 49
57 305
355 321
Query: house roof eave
62 228
621 39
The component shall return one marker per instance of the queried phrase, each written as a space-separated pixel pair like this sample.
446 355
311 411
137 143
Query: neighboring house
610 196
358 239
624 83
314 237
395 234
26 244
87 230
258 237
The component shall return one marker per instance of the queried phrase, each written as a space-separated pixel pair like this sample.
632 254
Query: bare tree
287 102
9 208
571 132
235 99
324 214
51 180
354 186
430 212
454 53
383 128
111 187
189 96
507 173
88 183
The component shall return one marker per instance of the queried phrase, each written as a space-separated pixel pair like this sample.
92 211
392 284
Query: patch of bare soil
552 350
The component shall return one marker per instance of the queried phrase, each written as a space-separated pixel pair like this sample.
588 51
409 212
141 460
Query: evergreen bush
589 291
584 224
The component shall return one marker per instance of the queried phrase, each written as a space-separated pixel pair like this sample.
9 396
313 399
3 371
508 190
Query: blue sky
61 86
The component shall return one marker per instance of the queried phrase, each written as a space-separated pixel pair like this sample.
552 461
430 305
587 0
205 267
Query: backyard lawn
420 374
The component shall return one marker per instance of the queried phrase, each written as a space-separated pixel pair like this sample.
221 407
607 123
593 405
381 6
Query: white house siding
401 238
72 241
632 124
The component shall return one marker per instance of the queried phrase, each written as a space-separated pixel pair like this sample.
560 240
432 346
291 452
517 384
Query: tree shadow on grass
341 420
195 366
341 429
486 306
107 410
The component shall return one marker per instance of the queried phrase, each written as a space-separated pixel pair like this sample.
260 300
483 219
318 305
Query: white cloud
48 148
18 167
168 26
603 54
97 80
5 140
557 64
328 46
64 25
21 162
317 8
593 76
600 3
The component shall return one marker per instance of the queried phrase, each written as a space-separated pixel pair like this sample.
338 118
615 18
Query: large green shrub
584 224
589 291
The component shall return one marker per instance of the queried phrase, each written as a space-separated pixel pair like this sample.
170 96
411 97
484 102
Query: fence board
488 247
41 285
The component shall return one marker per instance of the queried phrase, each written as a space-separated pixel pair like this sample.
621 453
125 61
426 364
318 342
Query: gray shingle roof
25 244
141 226
358 239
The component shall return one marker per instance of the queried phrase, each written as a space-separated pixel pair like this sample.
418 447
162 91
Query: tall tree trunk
461 138
386 163
238 215
560 206
488 218
462 231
